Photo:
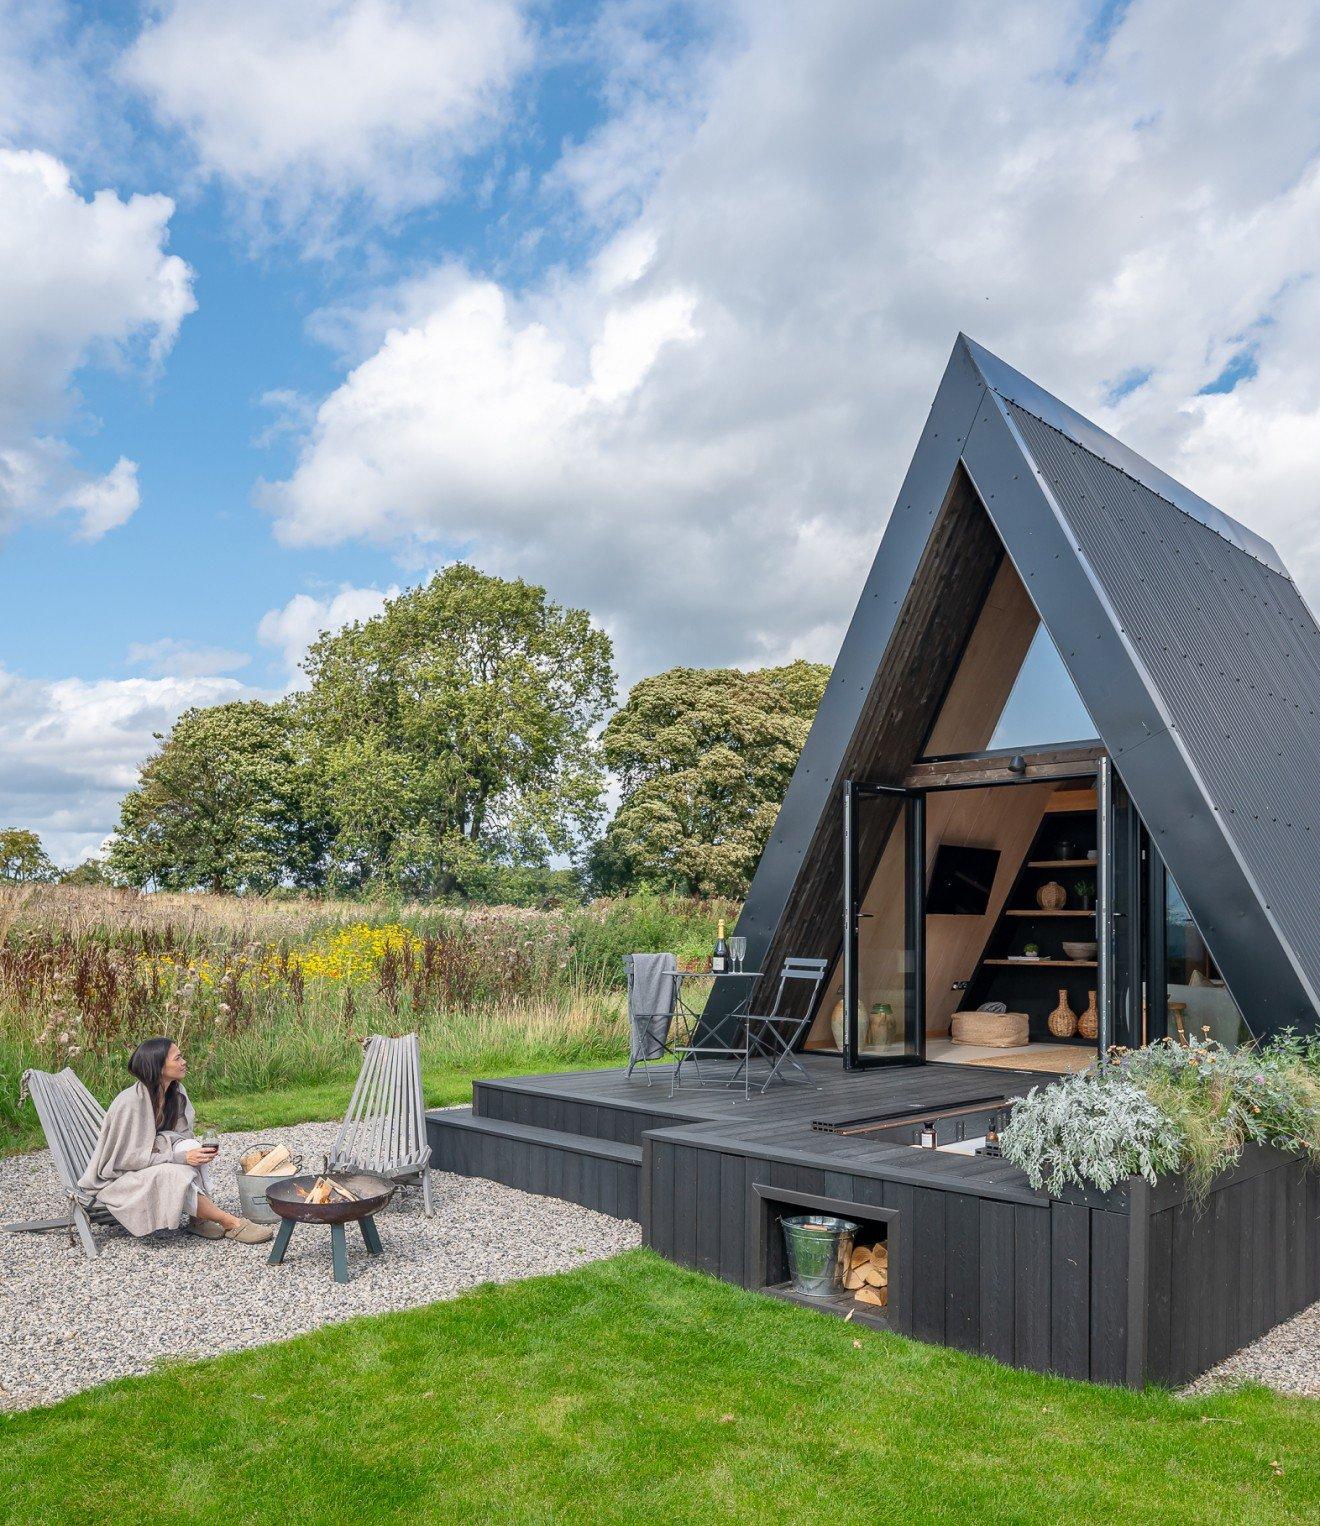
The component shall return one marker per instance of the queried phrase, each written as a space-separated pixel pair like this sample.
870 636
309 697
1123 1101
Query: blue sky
641 300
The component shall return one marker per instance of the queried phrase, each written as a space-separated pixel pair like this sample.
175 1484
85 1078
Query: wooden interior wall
989 665
995 653
1003 817
956 572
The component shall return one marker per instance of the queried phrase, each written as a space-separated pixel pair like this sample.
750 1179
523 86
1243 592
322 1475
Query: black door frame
1108 891
914 921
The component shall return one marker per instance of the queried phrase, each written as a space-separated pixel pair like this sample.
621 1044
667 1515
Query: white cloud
83 280
300 109
293 627
699 436
69 749
170 658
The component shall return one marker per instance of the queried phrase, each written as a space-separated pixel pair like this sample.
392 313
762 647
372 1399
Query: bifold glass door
884 959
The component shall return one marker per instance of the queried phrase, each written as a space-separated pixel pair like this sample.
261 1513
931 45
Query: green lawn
634 1391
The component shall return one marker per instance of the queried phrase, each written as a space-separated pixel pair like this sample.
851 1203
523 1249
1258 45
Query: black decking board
1109 1297
927 1265
708 1224
1070 1290
1031 1287
1159 1315
1123 1287
962 1271
996 1290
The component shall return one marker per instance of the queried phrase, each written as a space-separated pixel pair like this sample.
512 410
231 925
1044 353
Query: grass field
633 1391
269 998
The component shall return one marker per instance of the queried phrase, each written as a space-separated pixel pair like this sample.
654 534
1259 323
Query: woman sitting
147 1168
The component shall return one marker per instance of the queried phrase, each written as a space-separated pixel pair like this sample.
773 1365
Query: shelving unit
1032 985
1048 964
1028 911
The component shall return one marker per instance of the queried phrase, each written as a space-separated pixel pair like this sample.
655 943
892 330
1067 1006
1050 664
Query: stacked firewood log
867 1277
276 1162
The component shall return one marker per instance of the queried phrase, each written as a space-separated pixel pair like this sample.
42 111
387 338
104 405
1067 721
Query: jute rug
1057 1058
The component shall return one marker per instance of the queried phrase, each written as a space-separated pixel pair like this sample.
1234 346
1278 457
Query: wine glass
737 951
211 1141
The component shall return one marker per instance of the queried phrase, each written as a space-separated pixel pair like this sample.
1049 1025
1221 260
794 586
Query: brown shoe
248 1233
204 1229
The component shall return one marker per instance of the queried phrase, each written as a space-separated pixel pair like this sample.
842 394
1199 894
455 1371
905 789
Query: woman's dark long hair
146 1063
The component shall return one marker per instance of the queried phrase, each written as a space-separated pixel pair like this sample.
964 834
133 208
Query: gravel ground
1288 1358
67 1323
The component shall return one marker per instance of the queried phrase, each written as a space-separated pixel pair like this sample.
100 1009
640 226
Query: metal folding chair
652 995
774 1036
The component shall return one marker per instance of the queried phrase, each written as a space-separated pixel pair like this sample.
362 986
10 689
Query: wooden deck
1129 1286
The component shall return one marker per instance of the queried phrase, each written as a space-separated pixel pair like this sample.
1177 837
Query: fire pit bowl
372 1192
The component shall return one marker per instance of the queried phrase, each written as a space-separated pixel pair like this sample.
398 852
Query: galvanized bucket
252 1189
819 1250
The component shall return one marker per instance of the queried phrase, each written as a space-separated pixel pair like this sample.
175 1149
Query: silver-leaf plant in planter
1091 1131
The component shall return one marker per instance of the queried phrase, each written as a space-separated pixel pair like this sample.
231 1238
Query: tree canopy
227 803
456 730
703 757
22 858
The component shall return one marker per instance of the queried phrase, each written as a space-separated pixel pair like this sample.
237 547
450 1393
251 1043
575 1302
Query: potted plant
1084 890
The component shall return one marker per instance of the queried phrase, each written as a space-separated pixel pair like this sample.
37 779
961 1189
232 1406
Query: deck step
596 1173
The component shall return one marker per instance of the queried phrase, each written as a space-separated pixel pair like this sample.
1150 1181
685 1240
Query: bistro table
692 1045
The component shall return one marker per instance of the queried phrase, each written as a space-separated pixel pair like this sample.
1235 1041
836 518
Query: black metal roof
1187 640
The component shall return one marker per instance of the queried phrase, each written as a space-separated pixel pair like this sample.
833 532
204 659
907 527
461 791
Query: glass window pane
1044 706
1200 1005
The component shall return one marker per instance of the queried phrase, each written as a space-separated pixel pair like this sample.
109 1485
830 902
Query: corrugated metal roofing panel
1231 655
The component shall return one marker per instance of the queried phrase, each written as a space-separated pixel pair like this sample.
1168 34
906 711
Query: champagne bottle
720 959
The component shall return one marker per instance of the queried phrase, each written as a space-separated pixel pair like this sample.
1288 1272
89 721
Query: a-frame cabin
1076 712
922 847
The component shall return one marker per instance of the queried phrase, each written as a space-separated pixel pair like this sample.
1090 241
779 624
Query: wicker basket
993 1030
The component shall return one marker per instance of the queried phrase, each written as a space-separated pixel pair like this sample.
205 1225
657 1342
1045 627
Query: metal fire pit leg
281 1242
339 1251
370 1234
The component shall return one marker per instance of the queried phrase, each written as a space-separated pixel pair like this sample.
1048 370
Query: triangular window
1044 707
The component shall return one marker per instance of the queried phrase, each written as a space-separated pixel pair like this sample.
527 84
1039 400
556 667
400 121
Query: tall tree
22 857
456 729
703 757
227 803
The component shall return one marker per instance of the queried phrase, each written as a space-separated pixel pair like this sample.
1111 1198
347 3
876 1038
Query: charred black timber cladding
1126 1287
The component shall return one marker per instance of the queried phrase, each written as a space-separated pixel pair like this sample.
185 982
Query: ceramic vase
863 1026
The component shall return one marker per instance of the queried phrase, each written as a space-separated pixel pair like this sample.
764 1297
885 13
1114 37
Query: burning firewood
325 1187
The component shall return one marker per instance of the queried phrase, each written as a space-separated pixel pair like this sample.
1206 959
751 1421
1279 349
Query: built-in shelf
842 1304
1061 863
1044 964
1041 911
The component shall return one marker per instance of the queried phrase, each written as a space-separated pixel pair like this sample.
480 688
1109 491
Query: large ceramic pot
863 1025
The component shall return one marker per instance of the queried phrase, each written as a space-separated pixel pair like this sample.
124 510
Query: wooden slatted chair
384 1130
71 1120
